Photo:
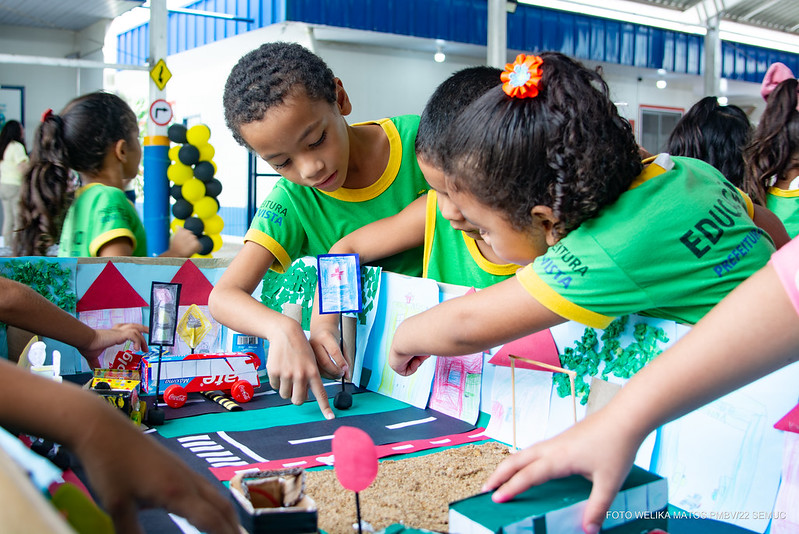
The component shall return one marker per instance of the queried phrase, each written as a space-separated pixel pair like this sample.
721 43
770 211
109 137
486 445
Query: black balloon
176 193
204 171
207 244
182 209
213 187
177 133
194 224
189 155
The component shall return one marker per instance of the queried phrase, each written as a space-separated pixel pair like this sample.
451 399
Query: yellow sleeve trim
777 192
750 206
431 209
389 174
552 300
269 243
102 239
504 269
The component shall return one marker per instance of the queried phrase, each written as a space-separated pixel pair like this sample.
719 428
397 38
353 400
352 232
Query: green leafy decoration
48 278
586 357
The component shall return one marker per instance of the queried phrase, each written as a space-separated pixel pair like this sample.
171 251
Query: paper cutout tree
355 462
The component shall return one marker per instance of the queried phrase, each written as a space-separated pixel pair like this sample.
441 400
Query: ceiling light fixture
661 84
440 56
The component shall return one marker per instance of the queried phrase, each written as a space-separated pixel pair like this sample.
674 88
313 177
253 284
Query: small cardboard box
274 502
556 507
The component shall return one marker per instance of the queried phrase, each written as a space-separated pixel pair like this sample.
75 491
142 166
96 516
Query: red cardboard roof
195 287
110 291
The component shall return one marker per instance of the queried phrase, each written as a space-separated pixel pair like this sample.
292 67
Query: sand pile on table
415 491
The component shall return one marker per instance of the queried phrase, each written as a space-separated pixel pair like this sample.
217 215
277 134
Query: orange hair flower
522 76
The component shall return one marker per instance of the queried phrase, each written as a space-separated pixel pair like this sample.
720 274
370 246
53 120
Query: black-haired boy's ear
121 150
543 216
342 98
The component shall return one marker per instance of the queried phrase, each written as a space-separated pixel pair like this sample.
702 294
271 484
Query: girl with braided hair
545 162
96 136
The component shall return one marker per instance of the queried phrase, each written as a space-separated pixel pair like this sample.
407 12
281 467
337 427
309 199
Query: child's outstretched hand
129 470
184 244
325 342
292 366
596 448
404 365
116 335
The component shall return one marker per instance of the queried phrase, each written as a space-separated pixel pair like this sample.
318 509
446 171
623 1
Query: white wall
47 86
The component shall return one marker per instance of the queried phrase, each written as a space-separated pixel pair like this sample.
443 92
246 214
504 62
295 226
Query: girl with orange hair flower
547 162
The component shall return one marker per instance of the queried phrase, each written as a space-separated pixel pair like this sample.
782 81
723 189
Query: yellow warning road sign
160 74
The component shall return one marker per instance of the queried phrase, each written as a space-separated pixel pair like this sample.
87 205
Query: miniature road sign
164 298
161 112
339 283
160 74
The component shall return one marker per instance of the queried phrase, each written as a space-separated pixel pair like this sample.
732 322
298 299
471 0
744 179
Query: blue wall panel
529 28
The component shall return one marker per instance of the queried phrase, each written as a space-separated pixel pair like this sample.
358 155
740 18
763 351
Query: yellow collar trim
500 269
389 174
654 166
785 193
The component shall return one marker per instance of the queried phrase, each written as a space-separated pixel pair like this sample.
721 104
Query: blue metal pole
156 194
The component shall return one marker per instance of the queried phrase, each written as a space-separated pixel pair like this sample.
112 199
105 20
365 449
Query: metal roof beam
707 10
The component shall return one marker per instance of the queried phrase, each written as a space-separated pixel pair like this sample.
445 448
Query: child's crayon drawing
456 386
400 297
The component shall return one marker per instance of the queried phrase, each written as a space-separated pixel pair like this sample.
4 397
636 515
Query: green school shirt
99 214
452 257
785 205
670 247
296 221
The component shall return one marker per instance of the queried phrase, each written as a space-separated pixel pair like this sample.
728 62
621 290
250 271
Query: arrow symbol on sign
161 74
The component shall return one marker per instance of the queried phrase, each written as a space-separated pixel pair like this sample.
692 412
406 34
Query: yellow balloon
193 190
180 174
205 207
213 224
175 224
173 152
206 152
214 164
198 134
217 239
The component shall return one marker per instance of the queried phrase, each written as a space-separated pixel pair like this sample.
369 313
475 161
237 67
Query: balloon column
194 187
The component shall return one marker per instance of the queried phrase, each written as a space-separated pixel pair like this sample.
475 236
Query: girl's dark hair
715 134
77 139
264 78
445 104
775 141
567 148
12 131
